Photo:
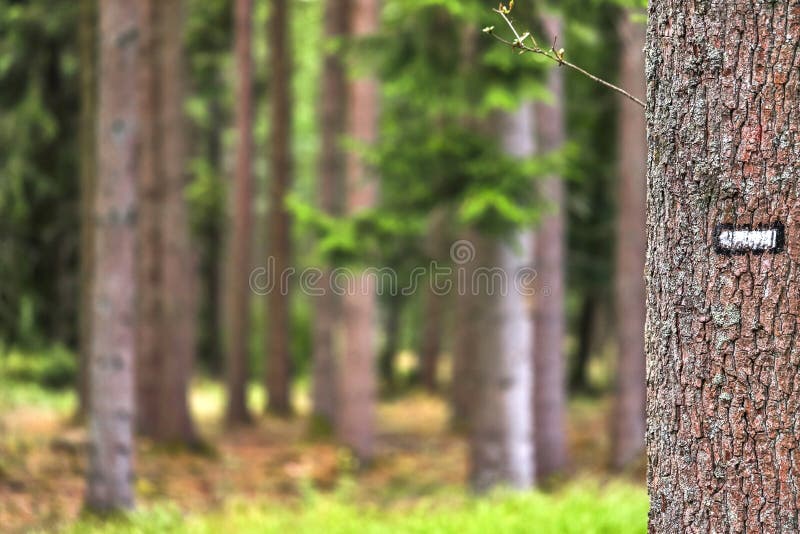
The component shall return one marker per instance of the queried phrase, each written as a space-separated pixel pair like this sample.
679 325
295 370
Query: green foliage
54 368
38 169
582 508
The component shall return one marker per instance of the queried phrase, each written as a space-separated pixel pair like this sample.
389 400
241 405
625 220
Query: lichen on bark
723 387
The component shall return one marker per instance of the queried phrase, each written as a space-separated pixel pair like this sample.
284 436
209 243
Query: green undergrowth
582 508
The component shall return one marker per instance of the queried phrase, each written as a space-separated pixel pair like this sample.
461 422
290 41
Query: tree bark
628 421
465 377
110 470
356 380
333 119
178 329
501 431
550 388
242 223
166 334
149 238
87 35
278 379
723 121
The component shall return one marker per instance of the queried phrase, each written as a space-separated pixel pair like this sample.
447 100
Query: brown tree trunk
242 223
110 469
167 310
628 421
278 375
87 35
723 122
435 309
178 329
550 387
464 379
501 440
149 249
333 119
356 381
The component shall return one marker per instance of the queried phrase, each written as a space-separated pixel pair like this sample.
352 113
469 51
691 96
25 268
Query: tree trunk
87 35
723 391
242 223
333 119
167 284
465 377
628 421
501 440
110 469
356 381
550 387
149 249
278 379
178 330
434 314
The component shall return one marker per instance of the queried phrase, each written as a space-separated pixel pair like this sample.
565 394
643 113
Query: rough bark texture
110 469
333 122
179 308
501 440
550 388
87 36
356 381
241 237
628 421
278 366
723 389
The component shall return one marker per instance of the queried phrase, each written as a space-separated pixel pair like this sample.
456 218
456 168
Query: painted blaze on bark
722 363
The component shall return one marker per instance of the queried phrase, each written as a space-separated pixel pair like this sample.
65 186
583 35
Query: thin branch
552 54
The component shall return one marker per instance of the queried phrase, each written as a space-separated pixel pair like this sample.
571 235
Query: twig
557 56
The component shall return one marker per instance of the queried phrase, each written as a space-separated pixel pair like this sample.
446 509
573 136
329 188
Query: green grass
581 508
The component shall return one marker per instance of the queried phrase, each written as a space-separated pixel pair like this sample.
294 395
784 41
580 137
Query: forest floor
42 459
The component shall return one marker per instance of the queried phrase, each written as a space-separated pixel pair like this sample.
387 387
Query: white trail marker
729 239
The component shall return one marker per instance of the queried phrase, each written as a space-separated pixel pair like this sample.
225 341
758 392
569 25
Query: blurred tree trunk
278 327
87 35
242 223
464 379
111 400
356 386
464 376
433 332
178 329
167 275
628 421
149 250
550 387
501 432
333 120
721 331
434 314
